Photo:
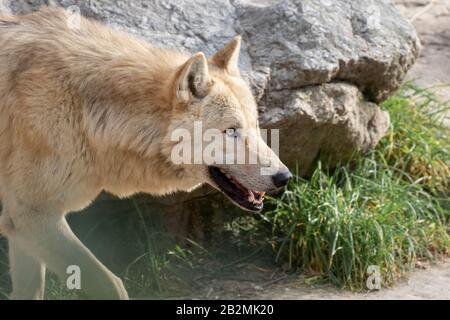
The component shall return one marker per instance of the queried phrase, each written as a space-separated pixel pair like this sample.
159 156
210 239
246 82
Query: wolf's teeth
228 176
251 197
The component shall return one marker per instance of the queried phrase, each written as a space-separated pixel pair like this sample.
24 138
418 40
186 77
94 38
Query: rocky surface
344 118
313 42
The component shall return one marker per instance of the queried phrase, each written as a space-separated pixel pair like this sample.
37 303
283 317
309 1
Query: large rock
311 42
343 119
314 65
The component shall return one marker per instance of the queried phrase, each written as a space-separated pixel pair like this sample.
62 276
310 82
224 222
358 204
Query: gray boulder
324 121
310 42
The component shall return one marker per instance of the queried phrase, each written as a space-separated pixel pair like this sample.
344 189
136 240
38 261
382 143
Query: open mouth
240 195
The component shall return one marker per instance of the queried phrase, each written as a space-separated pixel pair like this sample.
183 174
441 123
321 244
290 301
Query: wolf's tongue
259 195
255 196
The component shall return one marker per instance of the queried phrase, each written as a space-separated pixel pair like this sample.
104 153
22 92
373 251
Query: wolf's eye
231 132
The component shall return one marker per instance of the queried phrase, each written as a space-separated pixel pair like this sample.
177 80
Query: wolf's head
215 121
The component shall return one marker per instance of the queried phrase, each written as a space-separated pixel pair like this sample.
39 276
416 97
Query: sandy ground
432 22
433 26
428 281
433 282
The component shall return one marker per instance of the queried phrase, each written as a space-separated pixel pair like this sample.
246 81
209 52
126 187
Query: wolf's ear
193 79
227 57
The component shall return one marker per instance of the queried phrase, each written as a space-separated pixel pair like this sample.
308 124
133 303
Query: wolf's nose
282 178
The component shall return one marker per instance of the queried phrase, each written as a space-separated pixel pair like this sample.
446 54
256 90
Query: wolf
90 109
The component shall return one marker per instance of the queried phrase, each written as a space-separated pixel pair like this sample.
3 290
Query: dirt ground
432 22
433 282
430 281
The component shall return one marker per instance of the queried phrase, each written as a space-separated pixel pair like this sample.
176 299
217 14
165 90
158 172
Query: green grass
387 208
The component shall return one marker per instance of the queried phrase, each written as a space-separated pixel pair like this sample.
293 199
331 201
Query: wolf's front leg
27 274
49 238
